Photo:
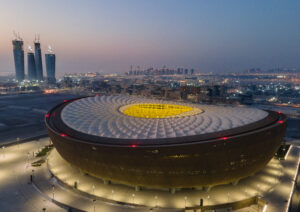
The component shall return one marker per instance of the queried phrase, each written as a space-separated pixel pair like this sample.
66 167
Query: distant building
19 59
50 67
38 61
254 70
31 66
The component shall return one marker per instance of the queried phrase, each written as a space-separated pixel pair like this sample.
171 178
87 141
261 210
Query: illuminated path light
3 151
156 201
112 194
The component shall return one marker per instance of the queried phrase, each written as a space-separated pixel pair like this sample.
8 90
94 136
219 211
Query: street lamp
53 192
156 200
201 202
133 195
18 141
185 198
3 151
94 189
38 144
28 157
94 203
112 194
208 199
44 209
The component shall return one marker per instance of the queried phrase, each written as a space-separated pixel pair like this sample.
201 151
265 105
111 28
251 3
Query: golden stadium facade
164 144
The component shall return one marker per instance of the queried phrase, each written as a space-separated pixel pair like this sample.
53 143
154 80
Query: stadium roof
127 117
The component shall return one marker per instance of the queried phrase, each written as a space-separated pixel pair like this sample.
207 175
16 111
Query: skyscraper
38 60
50 66
186 71
19 58
31 65
192 71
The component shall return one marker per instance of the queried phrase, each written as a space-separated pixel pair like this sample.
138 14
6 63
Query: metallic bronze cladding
189 164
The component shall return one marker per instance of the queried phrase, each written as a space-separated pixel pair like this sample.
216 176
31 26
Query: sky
111 35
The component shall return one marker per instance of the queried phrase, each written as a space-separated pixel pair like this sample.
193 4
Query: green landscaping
38 163
40 154
44 151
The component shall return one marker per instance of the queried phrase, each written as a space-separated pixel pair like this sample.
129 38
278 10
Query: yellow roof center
155 110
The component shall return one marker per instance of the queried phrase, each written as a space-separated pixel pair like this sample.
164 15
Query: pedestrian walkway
262 184
274 184
16 194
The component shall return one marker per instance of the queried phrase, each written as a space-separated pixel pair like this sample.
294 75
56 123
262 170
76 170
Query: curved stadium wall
187 161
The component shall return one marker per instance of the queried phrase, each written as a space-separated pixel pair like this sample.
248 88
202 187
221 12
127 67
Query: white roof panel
100 116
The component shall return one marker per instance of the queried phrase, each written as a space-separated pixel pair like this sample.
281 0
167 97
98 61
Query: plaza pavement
16 194
274 183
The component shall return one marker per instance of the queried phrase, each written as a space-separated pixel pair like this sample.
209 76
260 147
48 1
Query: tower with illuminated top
18 58
31 65
38 59
50 66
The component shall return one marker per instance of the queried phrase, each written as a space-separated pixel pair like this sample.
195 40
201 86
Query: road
22 115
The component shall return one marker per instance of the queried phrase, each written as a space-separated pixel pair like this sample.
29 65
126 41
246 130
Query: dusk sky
111 35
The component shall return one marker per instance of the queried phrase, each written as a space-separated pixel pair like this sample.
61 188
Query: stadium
163 144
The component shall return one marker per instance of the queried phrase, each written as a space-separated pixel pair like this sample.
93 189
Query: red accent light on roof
47 115
224 138
53 114
133 145
278 112
63 135
97 95
65 100
280 122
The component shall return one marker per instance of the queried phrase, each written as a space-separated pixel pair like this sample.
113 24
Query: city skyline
112 35
161 105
